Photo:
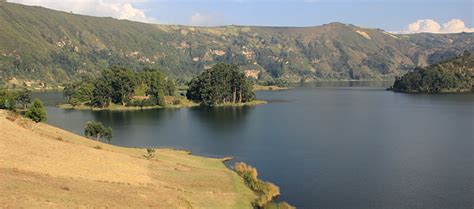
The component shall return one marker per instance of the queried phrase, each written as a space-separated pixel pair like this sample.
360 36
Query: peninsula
44 166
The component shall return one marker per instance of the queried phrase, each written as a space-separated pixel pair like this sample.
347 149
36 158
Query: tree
24 98
117 85
170 88
97 131
160 98
8 99
79 92
123 83
36 112
223 83
101 95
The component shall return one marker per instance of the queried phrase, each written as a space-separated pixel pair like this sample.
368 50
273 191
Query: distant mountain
454 75
42 45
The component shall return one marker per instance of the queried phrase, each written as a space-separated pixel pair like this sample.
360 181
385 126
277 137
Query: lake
326 145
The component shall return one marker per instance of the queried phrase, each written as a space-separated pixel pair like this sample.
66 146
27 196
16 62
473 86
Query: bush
151 153
266 190
98 131
36 112
8 99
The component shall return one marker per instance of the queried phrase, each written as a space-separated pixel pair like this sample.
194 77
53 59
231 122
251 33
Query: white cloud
431 26
121 9
199 19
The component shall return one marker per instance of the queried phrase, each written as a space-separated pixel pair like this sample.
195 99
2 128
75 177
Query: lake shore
189 104
48 165
270 88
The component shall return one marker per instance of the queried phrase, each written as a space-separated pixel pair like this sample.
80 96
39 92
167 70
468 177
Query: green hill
454 75
39 45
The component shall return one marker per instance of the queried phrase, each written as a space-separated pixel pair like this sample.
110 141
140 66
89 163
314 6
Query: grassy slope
29 49
39 170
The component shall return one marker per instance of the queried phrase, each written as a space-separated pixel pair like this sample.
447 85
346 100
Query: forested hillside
41 47
453 75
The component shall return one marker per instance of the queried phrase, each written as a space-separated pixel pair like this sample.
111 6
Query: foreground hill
42 45
45 167
454 75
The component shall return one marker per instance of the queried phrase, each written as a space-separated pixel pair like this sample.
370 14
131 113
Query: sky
398 16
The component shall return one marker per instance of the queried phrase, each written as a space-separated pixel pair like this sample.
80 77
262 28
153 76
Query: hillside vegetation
454 75
45 167
41 47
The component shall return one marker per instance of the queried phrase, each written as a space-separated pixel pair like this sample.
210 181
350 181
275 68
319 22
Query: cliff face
39 46
45 167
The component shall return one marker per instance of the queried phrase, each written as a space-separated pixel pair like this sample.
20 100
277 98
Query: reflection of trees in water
384 84
222 118
134 116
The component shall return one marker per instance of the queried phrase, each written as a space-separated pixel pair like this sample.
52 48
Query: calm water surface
326 146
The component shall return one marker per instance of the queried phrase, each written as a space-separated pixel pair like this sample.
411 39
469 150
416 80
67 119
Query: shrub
266 190
151 153
98 131
8 99
36 112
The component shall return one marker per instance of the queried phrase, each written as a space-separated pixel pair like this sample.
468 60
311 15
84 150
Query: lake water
326 145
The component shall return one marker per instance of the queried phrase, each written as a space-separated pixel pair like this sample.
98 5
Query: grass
36 165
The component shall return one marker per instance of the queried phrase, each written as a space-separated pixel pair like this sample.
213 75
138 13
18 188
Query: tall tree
101 95
123 83
223 83
24 98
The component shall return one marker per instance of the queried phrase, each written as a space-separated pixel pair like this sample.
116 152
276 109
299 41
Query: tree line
119 85
13 100
223 83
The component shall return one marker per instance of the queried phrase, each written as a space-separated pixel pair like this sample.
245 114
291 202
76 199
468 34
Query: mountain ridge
39 45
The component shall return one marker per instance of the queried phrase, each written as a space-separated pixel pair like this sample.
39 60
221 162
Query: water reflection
380 84
222 119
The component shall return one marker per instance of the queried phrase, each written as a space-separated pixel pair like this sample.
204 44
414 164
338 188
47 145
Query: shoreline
122 169
115 107
445 91
270 88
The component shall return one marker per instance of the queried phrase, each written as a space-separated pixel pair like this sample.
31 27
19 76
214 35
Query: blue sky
389 15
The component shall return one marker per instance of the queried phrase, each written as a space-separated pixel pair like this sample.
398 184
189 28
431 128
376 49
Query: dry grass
39 171
266 190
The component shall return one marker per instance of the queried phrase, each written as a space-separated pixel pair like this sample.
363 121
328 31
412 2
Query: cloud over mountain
431 26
